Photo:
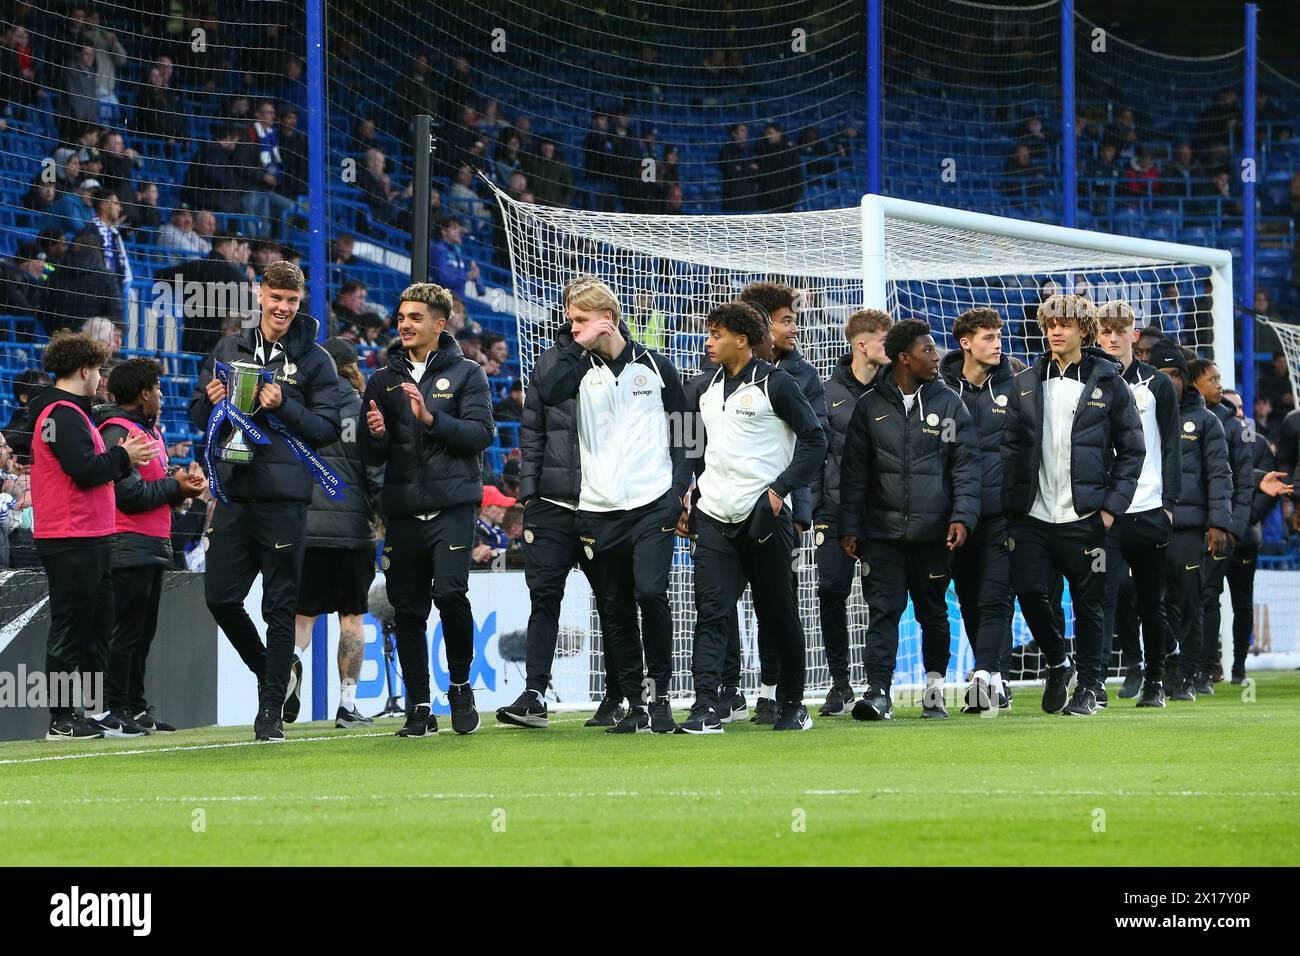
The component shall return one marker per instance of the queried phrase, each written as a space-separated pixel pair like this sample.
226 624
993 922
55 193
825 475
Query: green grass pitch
1216 782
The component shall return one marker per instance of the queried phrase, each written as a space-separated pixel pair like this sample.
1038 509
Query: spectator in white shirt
179 235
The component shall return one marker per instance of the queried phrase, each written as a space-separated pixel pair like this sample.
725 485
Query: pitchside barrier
181 680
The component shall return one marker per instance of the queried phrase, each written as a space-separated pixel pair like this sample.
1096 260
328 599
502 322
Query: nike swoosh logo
1215 557
1023 394
454 547
391 387
764 540
882 418
666 529
281 547
935 577
839 403
1190 567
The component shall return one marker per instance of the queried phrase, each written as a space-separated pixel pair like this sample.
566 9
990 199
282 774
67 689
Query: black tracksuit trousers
81 616
1214 571
1137 543
835 571
631 561
426 563
726 559
981 574
891 570
551 548
138 592
1127 622
1241 582
248 538
1186 560
1040 553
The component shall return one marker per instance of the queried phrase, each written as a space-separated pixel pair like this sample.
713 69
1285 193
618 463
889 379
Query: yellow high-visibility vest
650 330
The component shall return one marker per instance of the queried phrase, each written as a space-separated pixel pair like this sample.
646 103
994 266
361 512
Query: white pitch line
625 794
183 748
179 749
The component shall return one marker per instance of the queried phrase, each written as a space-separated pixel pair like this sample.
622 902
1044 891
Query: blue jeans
267 206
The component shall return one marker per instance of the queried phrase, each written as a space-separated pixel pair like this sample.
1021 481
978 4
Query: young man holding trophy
267 398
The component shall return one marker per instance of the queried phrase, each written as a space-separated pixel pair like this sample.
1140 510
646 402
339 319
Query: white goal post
908 258
884 227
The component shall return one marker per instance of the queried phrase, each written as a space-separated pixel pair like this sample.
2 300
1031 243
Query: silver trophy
241 391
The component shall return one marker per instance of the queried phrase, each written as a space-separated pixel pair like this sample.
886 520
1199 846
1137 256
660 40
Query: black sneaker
293 693
1057 690
793 716
732 705
839 700
661 717
1182 689
1004 698
1216 673
636 721
932 707
420 722
1132 683
464 716
1204 682
703 718
1153 694
149 722
269 726
609 713
528 710
73 727
1103 698
978 697
764 711
118 723
1238 675
875 704
1083 703
351 719
933 711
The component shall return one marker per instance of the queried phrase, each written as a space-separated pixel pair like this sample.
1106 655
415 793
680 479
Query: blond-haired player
1071 462
631 450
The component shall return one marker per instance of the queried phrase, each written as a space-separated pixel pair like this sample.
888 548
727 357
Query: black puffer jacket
310 410
987 405
1205 493
551 465
802 371
427 469
1241 461
842 393
1106 444
1261 505
346 522
137 496
906 477
1288 450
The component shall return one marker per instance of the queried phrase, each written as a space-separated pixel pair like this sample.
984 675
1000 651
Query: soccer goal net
914 260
